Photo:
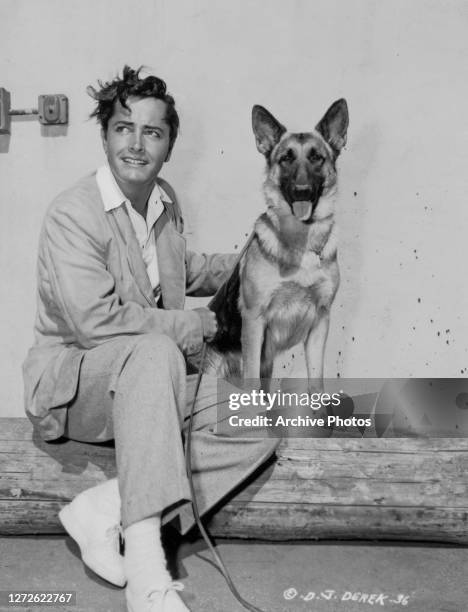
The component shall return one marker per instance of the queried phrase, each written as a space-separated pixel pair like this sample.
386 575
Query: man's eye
154 133
122 129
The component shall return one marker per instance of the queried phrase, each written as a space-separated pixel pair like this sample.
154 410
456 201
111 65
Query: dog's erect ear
334 125
267 130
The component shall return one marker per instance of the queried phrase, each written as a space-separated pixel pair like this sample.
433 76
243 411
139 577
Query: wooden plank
280 521
318 521
414 489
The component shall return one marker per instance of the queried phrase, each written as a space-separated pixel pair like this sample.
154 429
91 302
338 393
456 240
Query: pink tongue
302 209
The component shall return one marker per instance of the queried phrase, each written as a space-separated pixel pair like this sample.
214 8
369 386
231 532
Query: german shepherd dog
282 288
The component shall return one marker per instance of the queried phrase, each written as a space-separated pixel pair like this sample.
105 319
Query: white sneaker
92 519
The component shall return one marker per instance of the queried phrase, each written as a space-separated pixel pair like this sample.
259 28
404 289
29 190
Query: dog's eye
315 157
288 157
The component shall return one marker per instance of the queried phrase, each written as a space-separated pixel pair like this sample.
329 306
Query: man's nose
136 142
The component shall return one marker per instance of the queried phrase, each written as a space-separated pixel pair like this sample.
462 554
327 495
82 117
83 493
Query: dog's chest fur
290 274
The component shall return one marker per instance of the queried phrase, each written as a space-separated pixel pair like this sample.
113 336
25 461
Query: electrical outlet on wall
53 109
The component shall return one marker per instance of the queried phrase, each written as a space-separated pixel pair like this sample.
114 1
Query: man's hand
209 323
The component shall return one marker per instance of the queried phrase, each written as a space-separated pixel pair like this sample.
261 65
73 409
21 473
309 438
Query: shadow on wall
48 131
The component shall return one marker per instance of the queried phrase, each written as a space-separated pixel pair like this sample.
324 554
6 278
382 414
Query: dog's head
302 165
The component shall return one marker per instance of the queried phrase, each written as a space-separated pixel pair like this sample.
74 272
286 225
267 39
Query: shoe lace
158 595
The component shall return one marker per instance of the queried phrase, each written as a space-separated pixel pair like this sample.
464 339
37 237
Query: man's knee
158 348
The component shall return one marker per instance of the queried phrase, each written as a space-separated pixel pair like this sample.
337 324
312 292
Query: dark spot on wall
352 338
438 333
419 300
355 193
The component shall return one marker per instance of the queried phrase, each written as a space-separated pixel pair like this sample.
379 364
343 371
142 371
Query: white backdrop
401 309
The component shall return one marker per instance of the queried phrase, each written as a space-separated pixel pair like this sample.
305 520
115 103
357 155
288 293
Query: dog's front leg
314 347
252 340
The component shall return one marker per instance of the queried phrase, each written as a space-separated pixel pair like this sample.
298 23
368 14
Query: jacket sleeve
74 253
206 273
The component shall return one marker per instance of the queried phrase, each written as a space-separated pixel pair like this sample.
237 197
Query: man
110 340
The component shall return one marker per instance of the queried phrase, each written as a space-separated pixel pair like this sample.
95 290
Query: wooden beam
406 489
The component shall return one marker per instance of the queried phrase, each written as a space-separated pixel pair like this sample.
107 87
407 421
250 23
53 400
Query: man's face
137 142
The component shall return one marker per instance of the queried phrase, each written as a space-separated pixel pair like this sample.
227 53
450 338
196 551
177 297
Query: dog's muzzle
304 201
302 197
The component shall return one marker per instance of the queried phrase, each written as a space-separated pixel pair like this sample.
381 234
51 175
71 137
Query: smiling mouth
134 162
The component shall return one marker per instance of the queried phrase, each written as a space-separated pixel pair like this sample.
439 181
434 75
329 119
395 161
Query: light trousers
135 389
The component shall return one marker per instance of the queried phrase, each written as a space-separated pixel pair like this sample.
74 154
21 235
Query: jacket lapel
170 249
135 258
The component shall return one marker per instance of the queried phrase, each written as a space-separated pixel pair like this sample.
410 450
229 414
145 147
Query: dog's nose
302 192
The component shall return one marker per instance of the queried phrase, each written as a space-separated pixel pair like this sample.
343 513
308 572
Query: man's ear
334 125
267 130
104 140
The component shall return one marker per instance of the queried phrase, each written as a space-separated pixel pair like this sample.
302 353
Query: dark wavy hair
131 84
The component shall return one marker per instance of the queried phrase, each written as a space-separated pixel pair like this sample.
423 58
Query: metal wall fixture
52 109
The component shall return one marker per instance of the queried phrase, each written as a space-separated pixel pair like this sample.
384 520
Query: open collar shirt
113 197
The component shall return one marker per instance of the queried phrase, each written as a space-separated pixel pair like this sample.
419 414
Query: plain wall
401 309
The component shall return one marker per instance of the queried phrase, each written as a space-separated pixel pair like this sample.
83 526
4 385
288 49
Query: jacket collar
112 195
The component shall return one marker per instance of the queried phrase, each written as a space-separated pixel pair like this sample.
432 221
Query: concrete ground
276 577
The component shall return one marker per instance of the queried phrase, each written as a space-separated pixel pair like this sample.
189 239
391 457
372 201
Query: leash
188 463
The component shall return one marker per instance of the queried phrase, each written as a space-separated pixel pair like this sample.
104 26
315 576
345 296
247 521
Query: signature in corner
357 596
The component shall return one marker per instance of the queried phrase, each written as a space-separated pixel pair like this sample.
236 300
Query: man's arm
206 273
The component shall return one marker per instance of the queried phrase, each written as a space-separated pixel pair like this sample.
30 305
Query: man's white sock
144 560
145 564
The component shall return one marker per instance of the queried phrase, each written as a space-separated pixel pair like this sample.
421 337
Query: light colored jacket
92 286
